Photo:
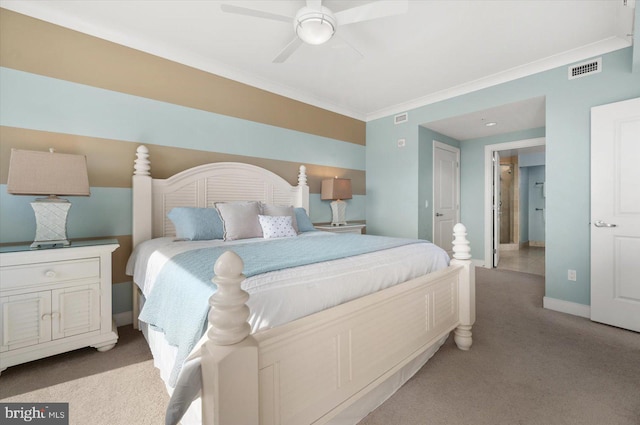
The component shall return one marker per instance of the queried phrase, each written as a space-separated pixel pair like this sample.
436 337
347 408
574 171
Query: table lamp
52 174
336 190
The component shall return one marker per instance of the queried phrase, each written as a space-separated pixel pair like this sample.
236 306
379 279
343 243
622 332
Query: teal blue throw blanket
178 304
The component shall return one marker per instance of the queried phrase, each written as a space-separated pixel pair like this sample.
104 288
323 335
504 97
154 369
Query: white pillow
278 226
240 219
271 209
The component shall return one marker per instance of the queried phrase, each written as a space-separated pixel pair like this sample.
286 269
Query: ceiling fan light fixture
315 26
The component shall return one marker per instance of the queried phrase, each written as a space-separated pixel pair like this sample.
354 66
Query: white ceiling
507 118
439 49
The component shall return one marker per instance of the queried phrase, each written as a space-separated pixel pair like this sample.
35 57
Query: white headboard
200 187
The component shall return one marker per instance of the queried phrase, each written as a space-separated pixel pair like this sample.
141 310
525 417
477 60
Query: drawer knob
46 316
50 273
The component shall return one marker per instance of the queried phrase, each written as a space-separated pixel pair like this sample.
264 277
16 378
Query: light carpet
527 365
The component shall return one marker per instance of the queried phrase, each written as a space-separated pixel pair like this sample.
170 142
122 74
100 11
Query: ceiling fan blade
351 46
229 8
314 4
374 10
288 50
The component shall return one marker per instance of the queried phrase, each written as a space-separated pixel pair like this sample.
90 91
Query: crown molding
40 11
562 59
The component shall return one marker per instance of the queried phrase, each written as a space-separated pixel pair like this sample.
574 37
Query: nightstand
55 300
347 228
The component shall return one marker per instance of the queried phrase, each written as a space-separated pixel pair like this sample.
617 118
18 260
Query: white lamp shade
47 173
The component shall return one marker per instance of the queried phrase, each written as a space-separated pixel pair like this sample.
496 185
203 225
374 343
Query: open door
496 208
615 214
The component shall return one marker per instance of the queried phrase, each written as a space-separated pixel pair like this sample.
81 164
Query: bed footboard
309 370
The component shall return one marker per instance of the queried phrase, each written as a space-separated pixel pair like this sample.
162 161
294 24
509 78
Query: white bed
334 365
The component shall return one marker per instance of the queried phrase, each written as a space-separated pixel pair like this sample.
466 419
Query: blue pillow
303 220
197 224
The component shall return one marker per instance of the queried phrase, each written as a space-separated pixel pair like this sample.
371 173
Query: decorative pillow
278 226
196 224
273 210
303 220
240 219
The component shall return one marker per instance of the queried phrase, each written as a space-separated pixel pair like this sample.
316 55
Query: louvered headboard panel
219 182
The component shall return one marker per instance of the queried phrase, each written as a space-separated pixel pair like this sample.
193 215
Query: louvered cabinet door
55 300
25 320
76 310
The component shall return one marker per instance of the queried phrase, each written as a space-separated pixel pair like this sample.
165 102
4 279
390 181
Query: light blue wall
472 182
392 177
89 111
536 200
37 102
79 109
531 159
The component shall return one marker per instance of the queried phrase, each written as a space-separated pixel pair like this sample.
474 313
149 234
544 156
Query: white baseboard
567 307
124 318
536 243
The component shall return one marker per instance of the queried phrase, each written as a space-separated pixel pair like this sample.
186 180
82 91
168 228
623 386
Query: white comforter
313 287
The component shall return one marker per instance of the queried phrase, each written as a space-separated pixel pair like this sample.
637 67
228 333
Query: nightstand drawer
22 276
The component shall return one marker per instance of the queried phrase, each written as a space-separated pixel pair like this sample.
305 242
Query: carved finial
302 176
229 312
142 166
461 249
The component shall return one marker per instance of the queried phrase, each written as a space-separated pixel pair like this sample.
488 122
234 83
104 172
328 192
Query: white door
446 198
496 208
615 214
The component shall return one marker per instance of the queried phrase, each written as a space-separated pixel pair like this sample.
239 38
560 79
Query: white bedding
285 295
314 287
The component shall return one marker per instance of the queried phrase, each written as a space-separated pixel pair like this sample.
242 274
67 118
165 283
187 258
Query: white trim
124 318
36 10
567 307
488 153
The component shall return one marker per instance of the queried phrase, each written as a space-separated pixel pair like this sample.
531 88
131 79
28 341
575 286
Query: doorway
511 206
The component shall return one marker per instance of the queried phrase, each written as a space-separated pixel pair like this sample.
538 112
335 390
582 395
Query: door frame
496 207
455 150
488 178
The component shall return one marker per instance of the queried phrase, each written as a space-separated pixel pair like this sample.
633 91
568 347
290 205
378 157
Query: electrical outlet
571 275
402 143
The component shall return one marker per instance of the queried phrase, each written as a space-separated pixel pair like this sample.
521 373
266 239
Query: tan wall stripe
38 47
110 162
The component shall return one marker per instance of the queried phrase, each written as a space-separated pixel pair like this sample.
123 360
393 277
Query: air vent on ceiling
399 119
585 68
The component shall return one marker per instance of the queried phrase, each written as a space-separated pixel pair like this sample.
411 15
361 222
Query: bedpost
141 184
303 189
141 220
230 355
467 287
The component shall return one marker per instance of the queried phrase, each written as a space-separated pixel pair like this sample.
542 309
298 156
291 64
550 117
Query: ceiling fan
316 24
